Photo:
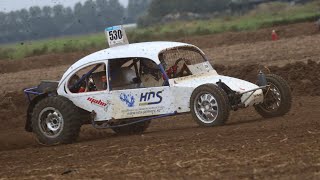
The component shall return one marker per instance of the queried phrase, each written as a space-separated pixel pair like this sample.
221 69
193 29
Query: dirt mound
13 107
303 77
37 62
231 38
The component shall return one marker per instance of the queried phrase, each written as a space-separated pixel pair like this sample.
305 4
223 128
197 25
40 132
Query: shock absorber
262 81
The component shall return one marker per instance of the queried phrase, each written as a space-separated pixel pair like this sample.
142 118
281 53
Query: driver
96 81
151 75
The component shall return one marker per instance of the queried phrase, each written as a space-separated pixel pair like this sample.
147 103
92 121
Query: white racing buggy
128 85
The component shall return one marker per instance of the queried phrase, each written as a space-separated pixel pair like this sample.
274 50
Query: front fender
235 84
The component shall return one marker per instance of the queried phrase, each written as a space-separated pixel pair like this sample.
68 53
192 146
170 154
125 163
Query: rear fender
33 103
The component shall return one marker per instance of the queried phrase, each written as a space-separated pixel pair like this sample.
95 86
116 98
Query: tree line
47 22
94 15
160 8
199 9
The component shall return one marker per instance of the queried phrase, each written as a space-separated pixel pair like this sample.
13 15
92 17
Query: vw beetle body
173 97
127 86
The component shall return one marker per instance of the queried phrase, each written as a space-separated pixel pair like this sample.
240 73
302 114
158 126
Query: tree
136 9
115 15
103 8
48 29
160 8
35 14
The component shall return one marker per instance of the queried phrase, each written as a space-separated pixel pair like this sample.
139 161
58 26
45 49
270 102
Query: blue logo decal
113 28
128 99
154 97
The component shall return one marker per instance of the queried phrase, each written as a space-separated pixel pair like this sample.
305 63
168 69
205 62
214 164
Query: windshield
184 61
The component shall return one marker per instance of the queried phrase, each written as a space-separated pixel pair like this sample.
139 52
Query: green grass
58 45
265 15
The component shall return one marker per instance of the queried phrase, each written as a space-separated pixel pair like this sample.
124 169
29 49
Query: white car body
143 102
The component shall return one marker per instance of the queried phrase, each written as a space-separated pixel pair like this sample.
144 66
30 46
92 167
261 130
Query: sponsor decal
145 110
128 99
150 98
99 103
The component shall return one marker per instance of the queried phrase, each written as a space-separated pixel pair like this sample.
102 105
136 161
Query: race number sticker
116 36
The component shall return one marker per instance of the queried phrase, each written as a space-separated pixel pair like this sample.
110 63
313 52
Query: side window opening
134 73
151 75
123 74
89 79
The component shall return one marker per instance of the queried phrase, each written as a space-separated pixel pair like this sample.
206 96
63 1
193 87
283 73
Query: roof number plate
116 36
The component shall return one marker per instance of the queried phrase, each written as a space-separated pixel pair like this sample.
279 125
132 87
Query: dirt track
247 147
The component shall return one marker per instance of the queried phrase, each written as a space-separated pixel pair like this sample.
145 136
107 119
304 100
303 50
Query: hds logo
154 97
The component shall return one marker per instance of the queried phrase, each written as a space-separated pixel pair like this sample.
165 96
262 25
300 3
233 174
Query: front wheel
277 98
55 121
209 105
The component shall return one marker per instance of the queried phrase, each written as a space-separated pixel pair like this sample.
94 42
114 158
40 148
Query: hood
194 81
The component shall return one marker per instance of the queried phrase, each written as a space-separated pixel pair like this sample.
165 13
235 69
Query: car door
142 102
137 91
93 94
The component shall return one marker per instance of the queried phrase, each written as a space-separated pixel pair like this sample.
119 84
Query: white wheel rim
50 122
206 108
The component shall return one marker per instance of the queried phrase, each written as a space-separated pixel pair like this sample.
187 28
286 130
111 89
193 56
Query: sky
12 5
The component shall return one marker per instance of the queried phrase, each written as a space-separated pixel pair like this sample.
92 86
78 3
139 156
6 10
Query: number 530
115 35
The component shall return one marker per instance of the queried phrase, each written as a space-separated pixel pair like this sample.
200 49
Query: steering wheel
173 70
90 84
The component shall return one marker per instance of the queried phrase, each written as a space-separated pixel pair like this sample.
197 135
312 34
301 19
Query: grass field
265 15
58 45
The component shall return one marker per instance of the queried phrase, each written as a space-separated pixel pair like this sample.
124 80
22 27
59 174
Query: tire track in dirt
247 147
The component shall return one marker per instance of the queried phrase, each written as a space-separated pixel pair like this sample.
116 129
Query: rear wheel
209 105
277 98
55 121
